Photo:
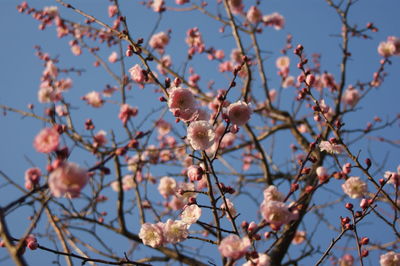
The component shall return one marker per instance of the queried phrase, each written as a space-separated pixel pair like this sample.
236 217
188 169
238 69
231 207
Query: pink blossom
390 259
351 96
396 42
163 127
346 260
195 173
181 2
151 235
231 209
254 15
47 94
227 141
64 84
394 177
275 20
51 11
167 186
182 103
328 81
261 260
225 67
94 99
126 112
76 50
282 62
47 140
288 82
322 173
236 56
236 6
200 135
386 49
346 168
112 10
354 187
239 113
100 139
276 213
158 41
271 193
195 41
31 242
234 247
67 180
51 69
175 231
191 214
158 5
219 54
330 147
32 177
137 74
113 57
166 155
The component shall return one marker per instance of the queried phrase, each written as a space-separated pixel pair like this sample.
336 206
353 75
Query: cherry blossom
94 99
195 172
167 186
175 231
271 193
275 20
354 187
234 247
351 96
390 259
126 112
254 15
151 235
47 140
191 214
276 213
200 135
32 177
182 103
68 179
113 57
158 41
236 6
330 147
239 113
230 208
137 74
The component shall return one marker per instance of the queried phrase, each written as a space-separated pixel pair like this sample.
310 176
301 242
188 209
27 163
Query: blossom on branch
200 135
239 113
68 179
354 187
47 140
234 247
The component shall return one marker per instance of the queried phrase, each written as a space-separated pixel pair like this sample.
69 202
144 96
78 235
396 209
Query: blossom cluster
172 231
274 210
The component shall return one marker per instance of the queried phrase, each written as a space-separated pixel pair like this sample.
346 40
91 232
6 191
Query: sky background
311 22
